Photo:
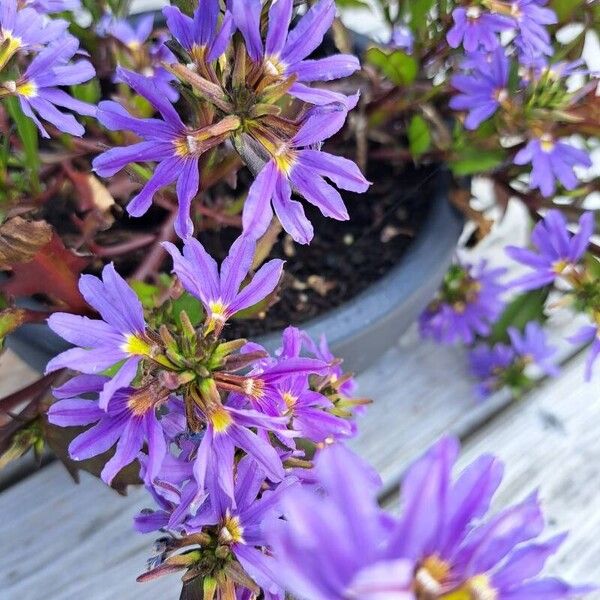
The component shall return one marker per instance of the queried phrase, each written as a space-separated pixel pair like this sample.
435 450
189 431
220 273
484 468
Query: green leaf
419 12
524 308
592 264
355 4
473 160
419 137
565 9
146 292
191 306
397 66
28 134
89 92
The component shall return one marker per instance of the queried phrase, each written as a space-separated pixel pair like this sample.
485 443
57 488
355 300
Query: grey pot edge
360 330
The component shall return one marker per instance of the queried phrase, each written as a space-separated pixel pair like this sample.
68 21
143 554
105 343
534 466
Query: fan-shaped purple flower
556 250
220 292
120 335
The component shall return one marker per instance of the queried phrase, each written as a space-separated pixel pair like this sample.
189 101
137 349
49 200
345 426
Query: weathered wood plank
550 441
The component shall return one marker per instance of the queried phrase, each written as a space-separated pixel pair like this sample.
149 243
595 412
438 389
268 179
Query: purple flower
489 364
402 38
551 160
227 429
120 335
285 54
440 546
586 335
556 250
474 28
243 520
484 90
174 146
502 365
299 167
533 39
129 421
220 292
457 551
332 546
149 57
23 29
532 346
38 88
470 300
201 35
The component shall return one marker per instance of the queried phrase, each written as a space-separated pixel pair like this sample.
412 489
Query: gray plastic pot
358 331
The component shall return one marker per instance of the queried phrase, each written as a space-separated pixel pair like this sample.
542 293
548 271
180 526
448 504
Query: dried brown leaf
20 240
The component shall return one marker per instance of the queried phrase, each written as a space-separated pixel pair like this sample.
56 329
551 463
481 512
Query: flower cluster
469 301
531 106
237 87
37 58
442 545
213 424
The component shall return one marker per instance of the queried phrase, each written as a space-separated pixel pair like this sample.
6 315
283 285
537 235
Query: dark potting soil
344 258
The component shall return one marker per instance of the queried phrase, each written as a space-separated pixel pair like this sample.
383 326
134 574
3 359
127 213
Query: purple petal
262 284
165 173
291 213
128 447
110 162
343 172
124 376
308 34
236 266
246 15
264 454
319 193
74 412
187 188
257 213
97 439
196 269
280 15
326 69
81 331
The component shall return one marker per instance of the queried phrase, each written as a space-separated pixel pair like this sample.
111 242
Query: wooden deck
67 542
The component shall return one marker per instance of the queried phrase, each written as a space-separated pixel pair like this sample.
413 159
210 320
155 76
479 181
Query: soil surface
344 258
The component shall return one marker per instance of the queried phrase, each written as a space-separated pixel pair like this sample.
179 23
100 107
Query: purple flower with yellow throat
474 28
220 291
120 335
484 89
297 166
285 53
443 545
129 421
176 148
23 29
556 249
201 35
147 57
38 89
551 161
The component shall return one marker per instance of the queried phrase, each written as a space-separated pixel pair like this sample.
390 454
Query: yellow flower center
27 89
218 311
560 266
231 530
8 46
547 143
285 160
290 400
274 66
430 577
135 346
220 419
